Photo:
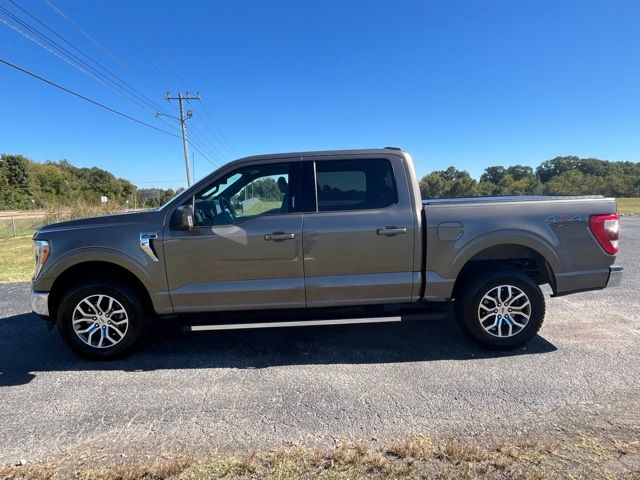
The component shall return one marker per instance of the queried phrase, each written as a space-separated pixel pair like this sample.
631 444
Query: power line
71 92
78 63
213 160
201 153
105 13
132 89
89 37
197 138
129 92
216 130
196 132
85 34
200 140
94 73
142 35
222 136
68 57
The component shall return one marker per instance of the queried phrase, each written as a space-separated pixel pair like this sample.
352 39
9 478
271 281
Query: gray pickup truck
320 238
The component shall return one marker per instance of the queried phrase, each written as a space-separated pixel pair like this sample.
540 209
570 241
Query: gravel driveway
242 389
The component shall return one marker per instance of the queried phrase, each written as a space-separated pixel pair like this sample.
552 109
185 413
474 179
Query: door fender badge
145 244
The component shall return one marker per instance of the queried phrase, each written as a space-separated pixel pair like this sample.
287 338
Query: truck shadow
26 348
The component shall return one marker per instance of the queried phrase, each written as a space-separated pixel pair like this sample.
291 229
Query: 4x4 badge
562 219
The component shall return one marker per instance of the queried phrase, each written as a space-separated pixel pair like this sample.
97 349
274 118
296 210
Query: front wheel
500 310
101 319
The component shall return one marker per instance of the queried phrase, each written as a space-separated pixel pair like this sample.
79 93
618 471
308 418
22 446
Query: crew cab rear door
358 231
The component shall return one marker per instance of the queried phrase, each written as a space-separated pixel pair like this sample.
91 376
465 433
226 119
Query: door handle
279 236
391 230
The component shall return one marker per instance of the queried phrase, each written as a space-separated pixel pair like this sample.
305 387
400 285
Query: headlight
41 250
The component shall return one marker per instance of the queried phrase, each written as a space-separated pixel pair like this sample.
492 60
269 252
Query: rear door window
355 184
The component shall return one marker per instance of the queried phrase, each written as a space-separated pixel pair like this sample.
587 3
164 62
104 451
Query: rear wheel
500 310
101 319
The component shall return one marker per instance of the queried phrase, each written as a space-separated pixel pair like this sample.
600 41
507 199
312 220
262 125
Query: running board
295 323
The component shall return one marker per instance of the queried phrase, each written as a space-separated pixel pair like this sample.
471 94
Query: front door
245 250
358 232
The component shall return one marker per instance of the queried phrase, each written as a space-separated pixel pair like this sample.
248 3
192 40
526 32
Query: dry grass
418 457
24 226
16 255
16 259
629 206
625 447
80 210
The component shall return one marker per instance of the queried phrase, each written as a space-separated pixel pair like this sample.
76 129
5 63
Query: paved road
237 389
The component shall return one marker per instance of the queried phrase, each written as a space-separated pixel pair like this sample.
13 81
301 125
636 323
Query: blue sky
464 83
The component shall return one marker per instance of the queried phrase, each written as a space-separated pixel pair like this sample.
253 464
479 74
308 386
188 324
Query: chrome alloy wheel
504 311
100 321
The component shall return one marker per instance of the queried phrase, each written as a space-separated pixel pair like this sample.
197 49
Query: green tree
552 168
569 182
521 172
15 175
16 169
448 183
493 174
513 180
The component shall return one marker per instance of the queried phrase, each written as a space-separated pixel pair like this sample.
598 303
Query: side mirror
182 218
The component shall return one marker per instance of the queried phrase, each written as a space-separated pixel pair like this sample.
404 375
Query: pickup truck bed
550 230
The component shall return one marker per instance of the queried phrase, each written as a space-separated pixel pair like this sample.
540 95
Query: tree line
27 184
560 176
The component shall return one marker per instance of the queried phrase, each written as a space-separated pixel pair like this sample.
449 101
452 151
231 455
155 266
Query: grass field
16 258
629 205
260 207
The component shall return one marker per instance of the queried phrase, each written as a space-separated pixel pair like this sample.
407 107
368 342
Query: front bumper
40 303
615 276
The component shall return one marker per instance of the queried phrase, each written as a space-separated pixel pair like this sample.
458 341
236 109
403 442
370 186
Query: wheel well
507 257
98 270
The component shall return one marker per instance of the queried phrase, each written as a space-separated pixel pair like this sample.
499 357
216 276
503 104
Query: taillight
606 229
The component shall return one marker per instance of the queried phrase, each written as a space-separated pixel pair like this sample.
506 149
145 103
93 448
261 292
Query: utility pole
183 124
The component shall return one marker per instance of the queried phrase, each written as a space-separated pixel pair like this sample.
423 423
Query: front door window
246 193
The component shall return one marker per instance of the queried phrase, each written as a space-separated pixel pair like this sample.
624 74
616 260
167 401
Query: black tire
467 308
128 299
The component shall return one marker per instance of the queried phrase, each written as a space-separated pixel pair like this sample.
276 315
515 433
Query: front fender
141 267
